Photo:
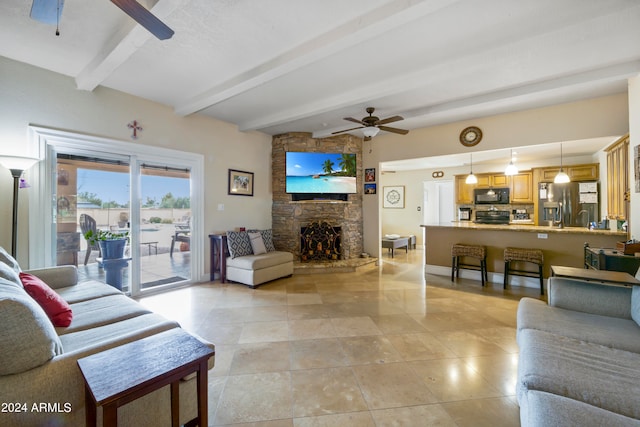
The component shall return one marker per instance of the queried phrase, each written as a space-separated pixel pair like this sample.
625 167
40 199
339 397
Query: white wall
601 117
29 95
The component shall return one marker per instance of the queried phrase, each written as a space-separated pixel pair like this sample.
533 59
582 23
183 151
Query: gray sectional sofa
40 382
579 362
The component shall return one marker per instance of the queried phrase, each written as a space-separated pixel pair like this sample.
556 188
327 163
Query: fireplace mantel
288 216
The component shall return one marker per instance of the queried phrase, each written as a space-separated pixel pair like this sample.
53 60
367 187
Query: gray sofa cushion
600 376
614 332
257 262
86 291
589 297
550 410
9 274
28 338
102 311
635 304
9 260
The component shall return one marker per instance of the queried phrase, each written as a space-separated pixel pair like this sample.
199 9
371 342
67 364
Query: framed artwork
240 183
393 197
370 175
370 189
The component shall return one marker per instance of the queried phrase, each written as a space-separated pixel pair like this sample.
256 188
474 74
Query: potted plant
112 243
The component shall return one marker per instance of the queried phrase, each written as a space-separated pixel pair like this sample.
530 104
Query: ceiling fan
49 12
372 125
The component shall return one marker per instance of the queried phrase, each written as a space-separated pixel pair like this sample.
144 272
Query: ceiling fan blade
394 130
346 130
145 18
46 11
351 119
390 120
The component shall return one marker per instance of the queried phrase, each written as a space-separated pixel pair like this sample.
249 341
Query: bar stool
533 256
470 251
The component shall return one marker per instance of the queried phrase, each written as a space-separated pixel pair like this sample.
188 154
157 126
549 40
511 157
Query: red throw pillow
56 308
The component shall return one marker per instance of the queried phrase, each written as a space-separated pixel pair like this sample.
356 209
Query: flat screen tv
321 173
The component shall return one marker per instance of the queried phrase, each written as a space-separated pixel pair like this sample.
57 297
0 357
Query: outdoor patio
156 270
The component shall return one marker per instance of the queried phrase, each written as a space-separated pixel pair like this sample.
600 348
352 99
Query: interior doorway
439 206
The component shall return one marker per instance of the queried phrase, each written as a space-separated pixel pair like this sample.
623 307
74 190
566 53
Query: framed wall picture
370 175
370 189
393 197
240 183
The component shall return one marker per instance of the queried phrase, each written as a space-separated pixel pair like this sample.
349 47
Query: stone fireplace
320 241
289 217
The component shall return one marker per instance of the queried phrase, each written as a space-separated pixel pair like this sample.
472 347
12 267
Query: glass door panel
91 194
165 226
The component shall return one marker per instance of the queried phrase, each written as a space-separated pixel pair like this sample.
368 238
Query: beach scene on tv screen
321 173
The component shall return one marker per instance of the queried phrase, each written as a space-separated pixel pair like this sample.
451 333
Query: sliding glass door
150 194
164 225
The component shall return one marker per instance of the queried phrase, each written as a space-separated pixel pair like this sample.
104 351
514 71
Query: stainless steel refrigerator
576 203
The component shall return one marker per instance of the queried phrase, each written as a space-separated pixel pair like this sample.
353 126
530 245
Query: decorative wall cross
135 126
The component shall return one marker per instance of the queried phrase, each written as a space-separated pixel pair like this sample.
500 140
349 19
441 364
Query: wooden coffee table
123 374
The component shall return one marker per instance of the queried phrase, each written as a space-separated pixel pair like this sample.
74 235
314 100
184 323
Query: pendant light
511 168
561 177
471 178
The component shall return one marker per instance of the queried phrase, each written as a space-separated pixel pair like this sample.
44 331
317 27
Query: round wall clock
470 136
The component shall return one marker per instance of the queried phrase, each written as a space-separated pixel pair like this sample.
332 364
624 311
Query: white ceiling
302 65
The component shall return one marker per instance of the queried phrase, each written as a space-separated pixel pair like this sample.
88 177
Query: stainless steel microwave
491 196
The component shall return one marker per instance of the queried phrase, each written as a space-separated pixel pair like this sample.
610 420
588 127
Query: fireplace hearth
320 241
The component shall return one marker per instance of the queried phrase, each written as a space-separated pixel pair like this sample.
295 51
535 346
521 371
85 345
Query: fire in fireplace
320 241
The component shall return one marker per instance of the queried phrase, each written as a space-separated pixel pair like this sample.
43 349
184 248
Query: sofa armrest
590 297
57 277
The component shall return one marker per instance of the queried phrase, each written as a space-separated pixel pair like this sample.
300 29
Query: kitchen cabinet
587 172
618 178
522 188
486 180
464 191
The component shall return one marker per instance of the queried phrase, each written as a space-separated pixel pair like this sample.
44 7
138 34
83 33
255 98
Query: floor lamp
17 165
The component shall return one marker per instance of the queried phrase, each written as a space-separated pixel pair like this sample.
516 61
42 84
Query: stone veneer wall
288 216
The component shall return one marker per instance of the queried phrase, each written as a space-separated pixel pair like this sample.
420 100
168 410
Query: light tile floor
385 347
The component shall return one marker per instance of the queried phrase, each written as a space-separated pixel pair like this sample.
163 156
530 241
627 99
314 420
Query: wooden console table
219 253
123 374
610 259
590 275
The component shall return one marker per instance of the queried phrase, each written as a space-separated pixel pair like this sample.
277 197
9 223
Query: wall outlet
542 235
220 206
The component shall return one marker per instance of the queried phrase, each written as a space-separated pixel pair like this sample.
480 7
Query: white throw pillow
257 244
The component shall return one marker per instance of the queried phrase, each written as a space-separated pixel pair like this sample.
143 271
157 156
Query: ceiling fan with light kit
50 11
371 125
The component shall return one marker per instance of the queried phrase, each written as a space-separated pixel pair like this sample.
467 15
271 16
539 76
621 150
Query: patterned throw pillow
239 243
267 238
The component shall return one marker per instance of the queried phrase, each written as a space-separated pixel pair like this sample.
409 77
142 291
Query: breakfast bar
560 246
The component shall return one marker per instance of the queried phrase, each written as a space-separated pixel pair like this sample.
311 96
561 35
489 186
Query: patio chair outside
182 234
88 223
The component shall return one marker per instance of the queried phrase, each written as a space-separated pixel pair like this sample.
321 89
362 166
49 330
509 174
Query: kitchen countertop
525 228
